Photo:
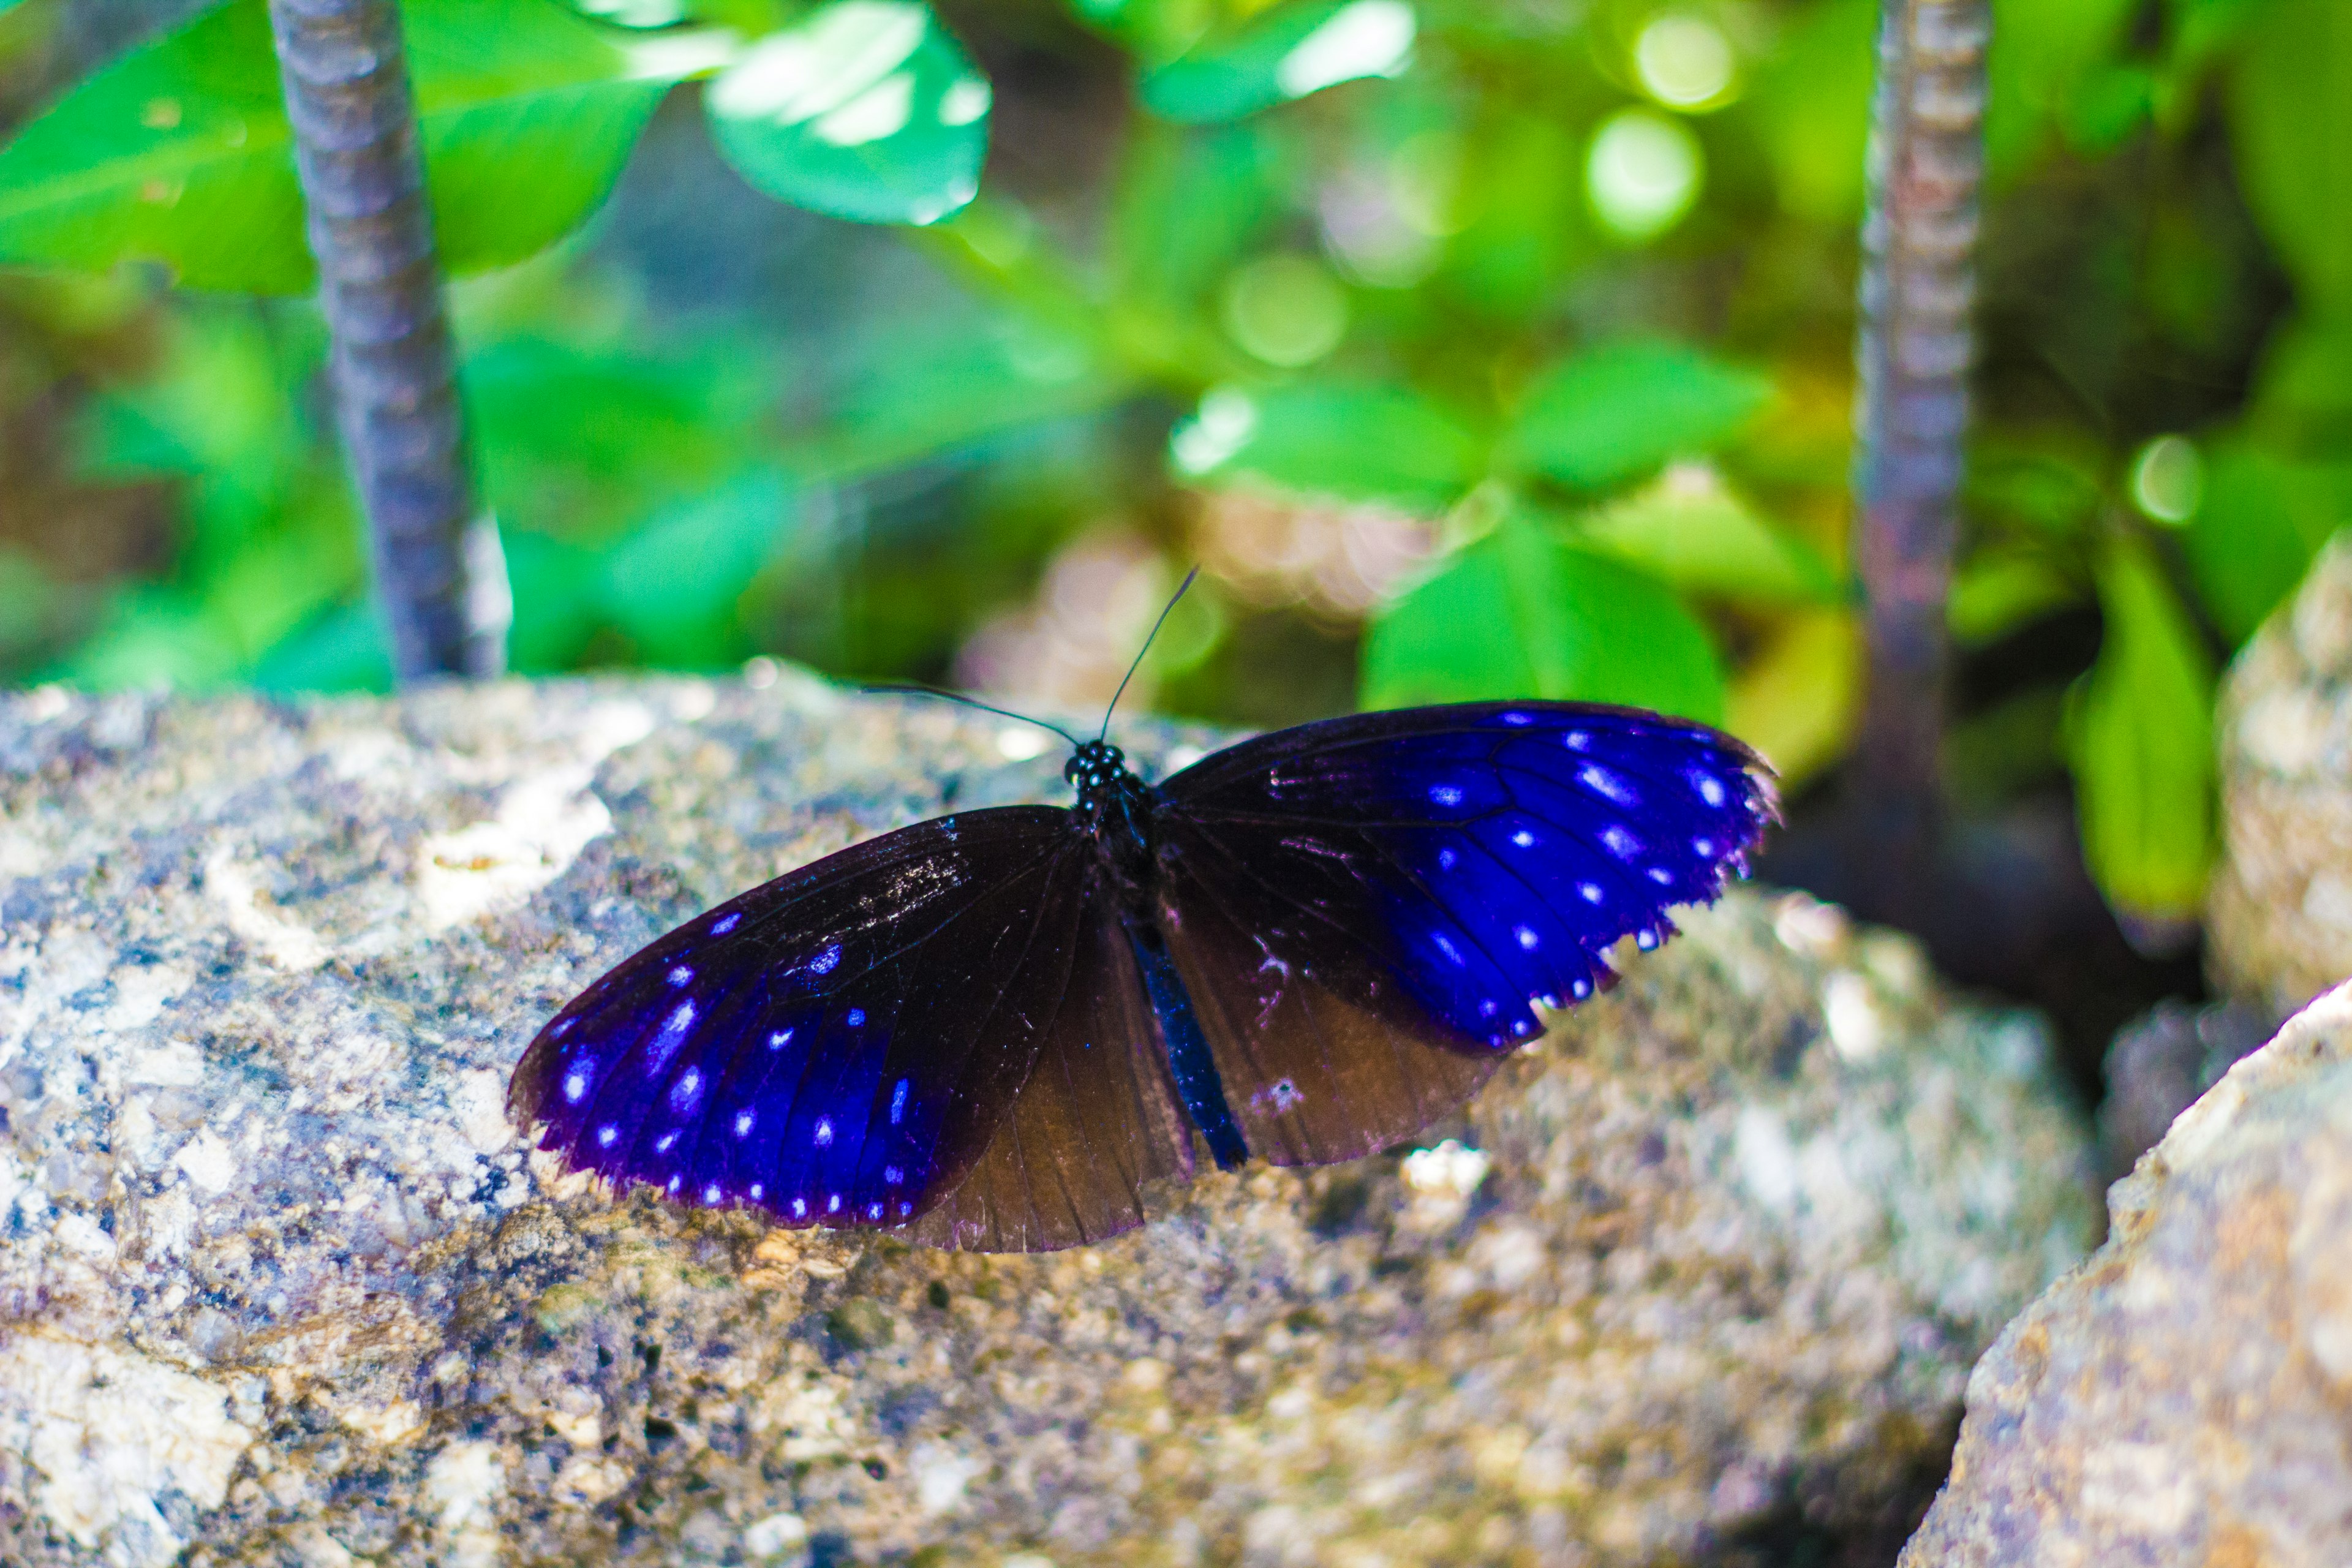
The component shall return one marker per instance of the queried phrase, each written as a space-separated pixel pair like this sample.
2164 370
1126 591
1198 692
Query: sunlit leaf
1189 203
1522 614
1285 53
180 151
1690 531
866 110
1618 412
1813 98
2036 69
1996 591
2260 522
2140 740
1798 696
1359 441
2290 106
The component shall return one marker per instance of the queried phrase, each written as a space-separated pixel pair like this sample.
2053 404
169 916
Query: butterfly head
1096 767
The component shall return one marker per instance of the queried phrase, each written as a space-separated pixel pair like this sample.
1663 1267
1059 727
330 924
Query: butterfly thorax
1115 806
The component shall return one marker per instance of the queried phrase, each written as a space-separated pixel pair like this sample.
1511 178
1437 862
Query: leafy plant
1568 309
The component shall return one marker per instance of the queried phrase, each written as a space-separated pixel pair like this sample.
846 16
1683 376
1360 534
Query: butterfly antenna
1131 669
913 689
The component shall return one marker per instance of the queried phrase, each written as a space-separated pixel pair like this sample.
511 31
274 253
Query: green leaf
1996 591
180 151
1188 202
1691 532
2042 52
1288 53
2263 519
1615 413
341 650
1359 441
1813 98
672 584
866 110
2140 740
1523 613
2290 107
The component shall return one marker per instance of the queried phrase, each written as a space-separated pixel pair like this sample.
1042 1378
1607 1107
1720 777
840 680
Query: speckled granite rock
2185 1396
2279 919
1702 1273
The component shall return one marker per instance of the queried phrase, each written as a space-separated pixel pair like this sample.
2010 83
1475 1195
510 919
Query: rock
1700 1275
2160 1062
2185 1396
2279 918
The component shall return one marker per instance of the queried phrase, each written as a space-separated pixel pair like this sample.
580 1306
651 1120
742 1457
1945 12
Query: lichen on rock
1701 1272
2184 1395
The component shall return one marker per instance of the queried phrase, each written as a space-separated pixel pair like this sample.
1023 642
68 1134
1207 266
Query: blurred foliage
1475 346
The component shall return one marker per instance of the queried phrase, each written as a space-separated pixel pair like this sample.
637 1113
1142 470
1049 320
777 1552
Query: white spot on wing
823 1131
825 961
1606 785
606 1134
744 1120
575 1082
726 922
1591 890
1445 794
1524 839
1620 842
1709 787
681 976
662 1145
899 1103
1662 877
673 1035
1445 946
1527 938
688 1085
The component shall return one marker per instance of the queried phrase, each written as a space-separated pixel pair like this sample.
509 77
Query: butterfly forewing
1352 901
838 1046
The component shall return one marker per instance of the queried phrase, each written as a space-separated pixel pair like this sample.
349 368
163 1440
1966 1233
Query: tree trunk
1918 286
439 573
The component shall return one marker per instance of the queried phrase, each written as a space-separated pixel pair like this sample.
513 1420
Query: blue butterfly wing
859 1041
1369 911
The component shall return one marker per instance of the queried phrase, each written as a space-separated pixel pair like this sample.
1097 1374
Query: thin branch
1918 288
439 575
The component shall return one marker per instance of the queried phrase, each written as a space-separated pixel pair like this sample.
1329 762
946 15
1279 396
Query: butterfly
999 1029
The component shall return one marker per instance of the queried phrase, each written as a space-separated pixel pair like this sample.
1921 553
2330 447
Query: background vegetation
1472 346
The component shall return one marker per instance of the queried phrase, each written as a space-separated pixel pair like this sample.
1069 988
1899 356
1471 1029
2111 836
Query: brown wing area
1094 1126
1323 1059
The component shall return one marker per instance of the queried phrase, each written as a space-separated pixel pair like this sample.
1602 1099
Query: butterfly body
1000 1030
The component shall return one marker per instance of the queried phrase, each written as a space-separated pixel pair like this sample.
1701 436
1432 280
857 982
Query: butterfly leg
1188 1059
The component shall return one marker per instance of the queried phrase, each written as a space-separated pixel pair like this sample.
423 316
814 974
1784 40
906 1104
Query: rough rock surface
1700 1276
2185 1396
2279 919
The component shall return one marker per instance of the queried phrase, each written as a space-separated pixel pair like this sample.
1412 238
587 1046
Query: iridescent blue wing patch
844 1046
1368 912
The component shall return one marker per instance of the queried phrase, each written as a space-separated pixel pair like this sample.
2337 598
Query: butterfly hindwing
1096 1126
838 1046
1368 911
